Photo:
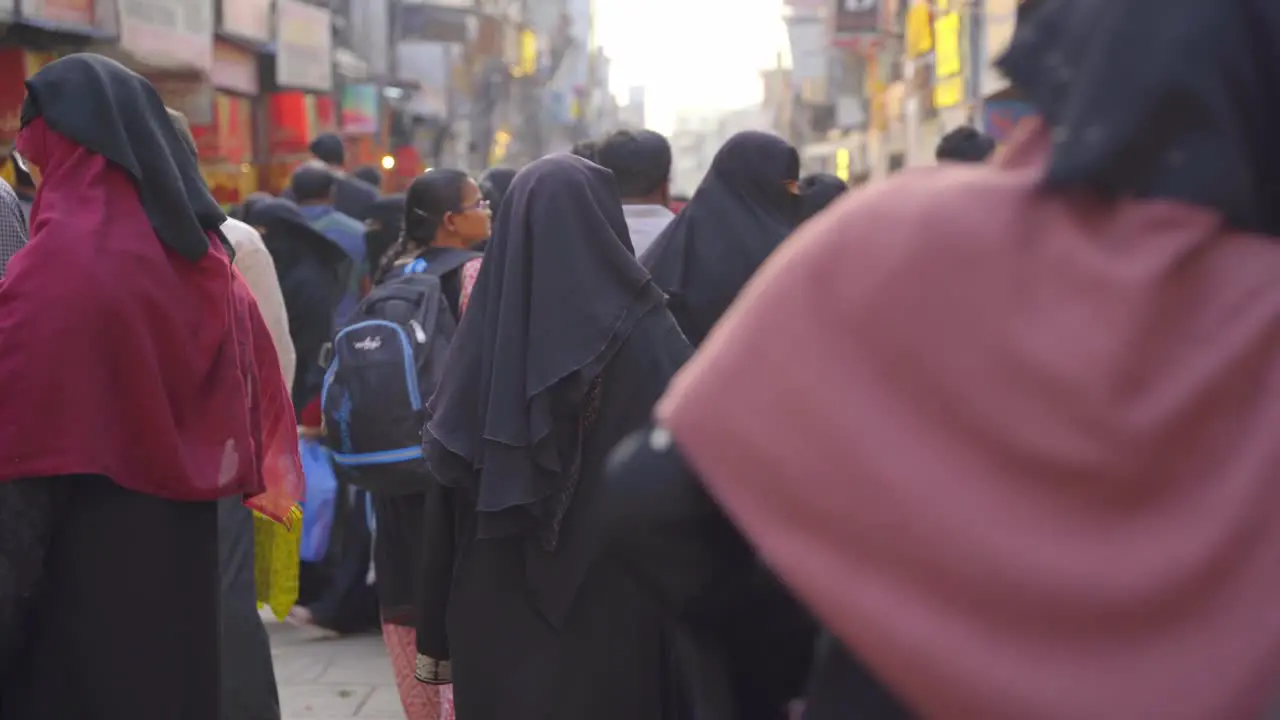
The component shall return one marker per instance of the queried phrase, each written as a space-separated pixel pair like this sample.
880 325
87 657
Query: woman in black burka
333 594
564 348
311 269
744 208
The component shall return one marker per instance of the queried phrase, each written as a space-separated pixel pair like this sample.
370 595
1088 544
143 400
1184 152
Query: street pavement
327 679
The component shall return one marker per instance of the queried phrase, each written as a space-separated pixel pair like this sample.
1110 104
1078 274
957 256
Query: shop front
300 104
226 143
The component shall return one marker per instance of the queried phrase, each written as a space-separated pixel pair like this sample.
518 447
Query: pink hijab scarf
1019 451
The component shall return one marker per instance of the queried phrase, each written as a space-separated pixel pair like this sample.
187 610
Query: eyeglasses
480 204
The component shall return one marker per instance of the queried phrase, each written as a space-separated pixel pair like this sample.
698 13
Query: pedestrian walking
142 386
565 344
1007 429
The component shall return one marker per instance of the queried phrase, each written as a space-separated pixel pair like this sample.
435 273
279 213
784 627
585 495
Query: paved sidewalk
323 679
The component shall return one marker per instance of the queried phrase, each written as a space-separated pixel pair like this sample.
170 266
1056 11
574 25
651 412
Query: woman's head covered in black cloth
817 191
744 208
558 294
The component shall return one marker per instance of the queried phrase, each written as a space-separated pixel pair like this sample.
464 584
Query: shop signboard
69 15
234 69
246 19
168 33
304 47
360 109
948 59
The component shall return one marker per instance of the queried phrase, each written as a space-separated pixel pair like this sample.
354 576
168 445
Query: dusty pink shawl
1020 452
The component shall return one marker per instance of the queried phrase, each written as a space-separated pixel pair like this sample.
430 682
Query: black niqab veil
1174 99
559 292
739 214
105 107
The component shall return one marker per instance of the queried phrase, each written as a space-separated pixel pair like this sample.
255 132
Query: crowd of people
989 439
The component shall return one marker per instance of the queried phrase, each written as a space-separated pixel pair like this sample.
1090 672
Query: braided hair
430 196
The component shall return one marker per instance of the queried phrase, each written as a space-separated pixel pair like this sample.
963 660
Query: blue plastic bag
322 496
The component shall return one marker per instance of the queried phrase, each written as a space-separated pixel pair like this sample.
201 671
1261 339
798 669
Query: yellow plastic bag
276 562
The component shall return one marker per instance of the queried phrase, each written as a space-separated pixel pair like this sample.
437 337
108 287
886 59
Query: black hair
640 161
965 144
328 148
369 174
431 195
586 150
311 183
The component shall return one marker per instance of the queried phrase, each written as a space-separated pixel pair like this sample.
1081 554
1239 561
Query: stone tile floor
327 679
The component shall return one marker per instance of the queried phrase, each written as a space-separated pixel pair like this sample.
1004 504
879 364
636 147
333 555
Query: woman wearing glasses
444 213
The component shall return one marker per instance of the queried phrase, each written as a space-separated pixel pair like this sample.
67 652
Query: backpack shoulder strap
447 261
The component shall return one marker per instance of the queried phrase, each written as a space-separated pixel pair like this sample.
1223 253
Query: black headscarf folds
177 202
557 295
1173 99
739 214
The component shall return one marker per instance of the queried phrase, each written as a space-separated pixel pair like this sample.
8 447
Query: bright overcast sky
689 54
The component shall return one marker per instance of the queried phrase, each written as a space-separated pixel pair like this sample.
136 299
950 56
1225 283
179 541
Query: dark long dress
686 553
248 675
607 650
124 618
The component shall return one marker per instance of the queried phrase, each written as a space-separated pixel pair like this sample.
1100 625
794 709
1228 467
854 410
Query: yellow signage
528 64
919 30
842 164
948 63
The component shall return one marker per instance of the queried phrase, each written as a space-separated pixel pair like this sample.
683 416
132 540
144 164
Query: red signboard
297 118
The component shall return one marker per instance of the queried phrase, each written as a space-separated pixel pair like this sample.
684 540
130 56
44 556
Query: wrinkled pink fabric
1019 451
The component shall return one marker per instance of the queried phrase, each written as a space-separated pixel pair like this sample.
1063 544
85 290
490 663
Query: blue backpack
387 362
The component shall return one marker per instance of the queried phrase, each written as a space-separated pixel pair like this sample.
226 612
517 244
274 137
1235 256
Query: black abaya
126 623
611 652
564 348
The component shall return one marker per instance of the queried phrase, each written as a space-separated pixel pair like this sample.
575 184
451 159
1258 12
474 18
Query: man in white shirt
641 163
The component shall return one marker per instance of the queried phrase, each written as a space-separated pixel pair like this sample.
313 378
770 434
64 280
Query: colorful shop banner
168 33
1000 117
304 47
296 118
246 19
360 102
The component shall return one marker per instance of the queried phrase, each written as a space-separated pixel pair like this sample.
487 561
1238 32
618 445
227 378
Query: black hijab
388 213
312 270
817 191
558 294
105 107
739 214
1174 99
